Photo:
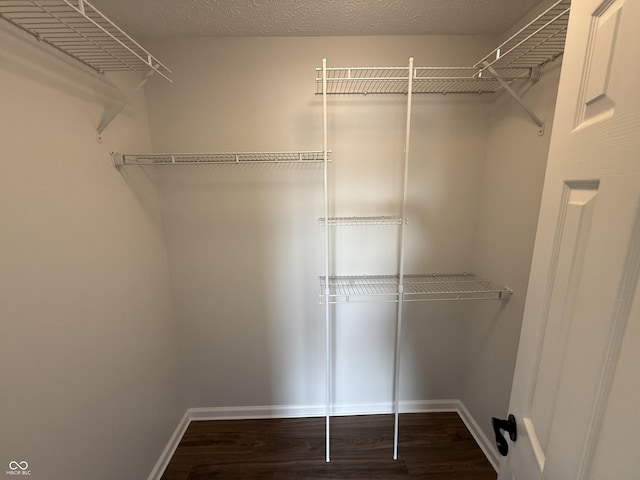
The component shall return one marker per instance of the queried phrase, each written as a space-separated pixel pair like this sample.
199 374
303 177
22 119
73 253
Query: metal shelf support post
396 380
327 306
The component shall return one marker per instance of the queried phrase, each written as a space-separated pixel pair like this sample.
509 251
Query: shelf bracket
505 294
113 113
516 97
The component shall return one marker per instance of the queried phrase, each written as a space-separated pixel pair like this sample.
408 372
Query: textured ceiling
182 18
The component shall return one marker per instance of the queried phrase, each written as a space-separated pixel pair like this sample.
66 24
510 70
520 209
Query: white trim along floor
301 411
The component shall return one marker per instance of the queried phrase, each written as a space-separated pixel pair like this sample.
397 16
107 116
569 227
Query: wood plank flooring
433 446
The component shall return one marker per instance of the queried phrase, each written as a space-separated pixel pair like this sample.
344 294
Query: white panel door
577 382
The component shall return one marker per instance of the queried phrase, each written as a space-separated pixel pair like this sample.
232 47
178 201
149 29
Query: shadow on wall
54 70
243 256
142 183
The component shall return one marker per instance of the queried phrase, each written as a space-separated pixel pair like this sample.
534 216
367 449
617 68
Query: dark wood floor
434 446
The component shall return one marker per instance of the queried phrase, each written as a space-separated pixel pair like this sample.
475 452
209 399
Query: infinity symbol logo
23 465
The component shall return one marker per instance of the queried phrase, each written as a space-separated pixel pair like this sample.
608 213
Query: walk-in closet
237 225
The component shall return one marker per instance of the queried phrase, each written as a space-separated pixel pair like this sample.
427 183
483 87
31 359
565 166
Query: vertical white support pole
327 304
396 384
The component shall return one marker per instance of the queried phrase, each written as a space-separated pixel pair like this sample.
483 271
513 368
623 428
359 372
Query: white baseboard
300 411
487 446
170 449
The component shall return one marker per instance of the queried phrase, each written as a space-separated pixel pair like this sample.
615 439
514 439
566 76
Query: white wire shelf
417 288
540 41
356 221
122 160
394 80
80 30
463 79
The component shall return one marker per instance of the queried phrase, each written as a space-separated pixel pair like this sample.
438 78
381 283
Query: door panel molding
595 102
625 298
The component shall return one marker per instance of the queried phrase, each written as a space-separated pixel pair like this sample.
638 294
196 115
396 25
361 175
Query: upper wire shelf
417 288
463 79
121 160
356 221
80 30
394 80
540 41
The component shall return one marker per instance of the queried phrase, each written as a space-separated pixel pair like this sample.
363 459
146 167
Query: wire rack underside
218 158
420 287
395 80
83 32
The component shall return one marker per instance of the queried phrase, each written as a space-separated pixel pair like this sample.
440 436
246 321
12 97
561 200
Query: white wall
512 188
244 245
88 360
